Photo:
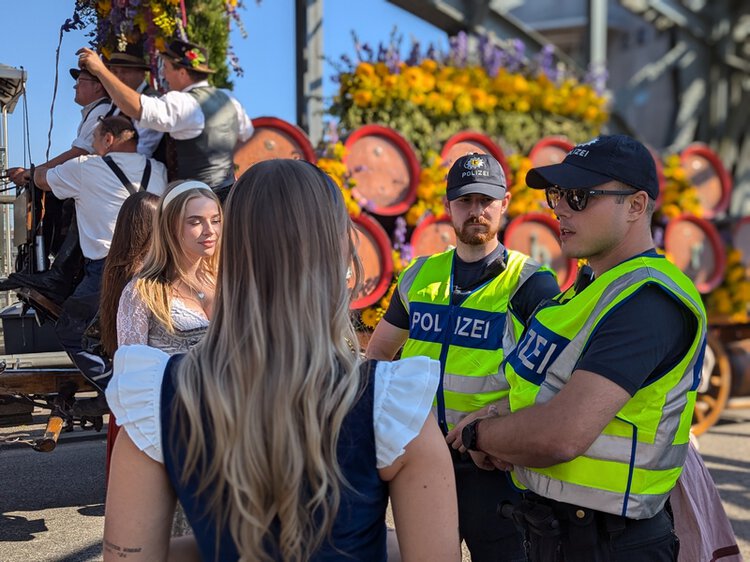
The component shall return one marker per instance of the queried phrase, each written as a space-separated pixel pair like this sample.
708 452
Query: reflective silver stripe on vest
407 280
529 268
662 455
452 417
639 506
475 385
647 455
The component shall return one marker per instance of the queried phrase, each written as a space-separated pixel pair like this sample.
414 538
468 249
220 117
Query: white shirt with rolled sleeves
90 115
99 194
148 139
180 115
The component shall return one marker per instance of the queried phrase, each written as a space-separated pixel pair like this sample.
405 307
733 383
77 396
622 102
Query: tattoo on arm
121 551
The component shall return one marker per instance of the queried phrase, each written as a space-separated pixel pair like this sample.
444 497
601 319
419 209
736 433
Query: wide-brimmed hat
188 55
131 58
76 72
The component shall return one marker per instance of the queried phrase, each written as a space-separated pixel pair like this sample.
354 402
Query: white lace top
403 396
136 324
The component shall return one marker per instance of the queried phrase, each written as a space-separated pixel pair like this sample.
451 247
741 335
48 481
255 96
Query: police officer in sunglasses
603 381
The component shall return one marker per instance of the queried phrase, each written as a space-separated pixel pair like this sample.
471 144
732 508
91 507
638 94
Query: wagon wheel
714 391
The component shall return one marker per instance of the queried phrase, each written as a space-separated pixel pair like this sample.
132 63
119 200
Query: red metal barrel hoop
432 236
550 150
708 174
683 241
516 238
273 138
465 142
380 159
375 252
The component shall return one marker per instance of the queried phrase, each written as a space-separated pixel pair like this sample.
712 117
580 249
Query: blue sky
266 55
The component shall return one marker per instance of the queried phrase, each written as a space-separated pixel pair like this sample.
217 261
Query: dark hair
130 242
120 127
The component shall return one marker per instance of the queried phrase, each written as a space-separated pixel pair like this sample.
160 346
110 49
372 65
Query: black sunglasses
577 198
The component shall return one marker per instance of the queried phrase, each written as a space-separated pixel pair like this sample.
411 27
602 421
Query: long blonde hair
162 263
277 371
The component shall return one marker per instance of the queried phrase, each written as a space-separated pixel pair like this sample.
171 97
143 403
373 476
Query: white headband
182 188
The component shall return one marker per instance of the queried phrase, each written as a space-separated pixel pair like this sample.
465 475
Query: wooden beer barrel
694 245
466 142
741 240
538 235
432 236
659 174
385 168
376 254
273 138
550 150
708 174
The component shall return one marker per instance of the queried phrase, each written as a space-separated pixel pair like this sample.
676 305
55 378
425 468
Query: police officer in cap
603 381
465 307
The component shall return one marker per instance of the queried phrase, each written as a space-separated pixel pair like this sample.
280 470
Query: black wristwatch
469 435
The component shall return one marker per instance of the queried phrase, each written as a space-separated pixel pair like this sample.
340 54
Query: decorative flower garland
497 90
156 22
524 199
430 191
332 163
730 299
679 195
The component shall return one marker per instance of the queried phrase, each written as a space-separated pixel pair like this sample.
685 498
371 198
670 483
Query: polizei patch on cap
474 166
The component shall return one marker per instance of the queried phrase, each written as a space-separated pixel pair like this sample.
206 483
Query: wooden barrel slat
273 138
385 168
375 253
538 235
550 150
432 236
694 245
467 142
708 174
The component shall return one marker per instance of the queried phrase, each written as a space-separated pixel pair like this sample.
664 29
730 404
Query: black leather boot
57 283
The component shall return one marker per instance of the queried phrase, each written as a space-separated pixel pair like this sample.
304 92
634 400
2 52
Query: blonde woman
169 304
280 443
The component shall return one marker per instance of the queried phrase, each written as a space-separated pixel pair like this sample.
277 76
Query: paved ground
52 505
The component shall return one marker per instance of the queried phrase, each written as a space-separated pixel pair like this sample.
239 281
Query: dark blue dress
358 532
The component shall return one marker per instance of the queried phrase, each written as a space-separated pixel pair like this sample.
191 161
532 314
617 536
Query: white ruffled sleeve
134 395
403 395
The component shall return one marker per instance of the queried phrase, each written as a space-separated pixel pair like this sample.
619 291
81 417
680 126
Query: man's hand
499 408
90 61
19 176
453 438
482 460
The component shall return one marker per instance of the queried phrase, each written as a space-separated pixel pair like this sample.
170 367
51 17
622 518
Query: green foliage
208 25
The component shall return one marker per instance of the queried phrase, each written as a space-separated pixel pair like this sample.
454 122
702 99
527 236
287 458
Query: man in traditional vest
464 307
603 381
204 122
99 185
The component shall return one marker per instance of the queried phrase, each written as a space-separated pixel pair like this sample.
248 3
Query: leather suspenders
124 179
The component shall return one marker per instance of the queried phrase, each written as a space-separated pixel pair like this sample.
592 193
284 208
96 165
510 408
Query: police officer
204 123
603 380
463 307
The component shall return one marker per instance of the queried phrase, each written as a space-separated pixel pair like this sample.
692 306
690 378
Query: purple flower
414 54
597 75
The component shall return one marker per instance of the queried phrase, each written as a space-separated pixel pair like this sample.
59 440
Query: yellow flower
429 65
371 317
362 98
365 70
